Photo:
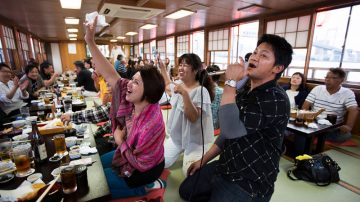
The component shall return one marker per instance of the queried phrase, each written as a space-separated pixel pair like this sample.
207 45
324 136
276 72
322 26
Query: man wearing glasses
335 99
12 92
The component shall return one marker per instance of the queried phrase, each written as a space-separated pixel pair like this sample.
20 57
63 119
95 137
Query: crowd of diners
251 110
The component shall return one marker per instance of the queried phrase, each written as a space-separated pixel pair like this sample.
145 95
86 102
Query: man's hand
16 82
345 129
65 117
193 167
235 71
24 85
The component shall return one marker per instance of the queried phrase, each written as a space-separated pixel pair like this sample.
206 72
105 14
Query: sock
157 184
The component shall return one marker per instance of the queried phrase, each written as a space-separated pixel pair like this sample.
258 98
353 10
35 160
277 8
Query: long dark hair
302 85
202 76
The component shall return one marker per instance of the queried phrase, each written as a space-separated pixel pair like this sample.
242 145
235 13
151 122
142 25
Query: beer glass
5 149
60 146
21 155
24 111
68 179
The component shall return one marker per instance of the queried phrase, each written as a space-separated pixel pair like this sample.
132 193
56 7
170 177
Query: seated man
47 73
335 99
12 93
84 77
252 127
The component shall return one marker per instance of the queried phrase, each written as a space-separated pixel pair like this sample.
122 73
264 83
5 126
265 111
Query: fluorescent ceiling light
72 21
179 14
72 30
73 39
70 4
148 26
120 37
72 35
113 40
131 33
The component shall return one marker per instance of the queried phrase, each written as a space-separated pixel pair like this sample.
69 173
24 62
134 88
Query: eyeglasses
332 77
6 72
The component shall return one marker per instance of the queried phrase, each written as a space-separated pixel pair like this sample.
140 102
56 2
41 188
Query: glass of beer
5 149
60 146
68 179
21 155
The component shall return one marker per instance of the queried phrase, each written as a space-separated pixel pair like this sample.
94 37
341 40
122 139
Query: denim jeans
214 188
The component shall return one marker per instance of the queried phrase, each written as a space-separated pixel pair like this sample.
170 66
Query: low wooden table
311 133
97 190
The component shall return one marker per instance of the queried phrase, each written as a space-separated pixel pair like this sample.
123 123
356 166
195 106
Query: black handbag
320 169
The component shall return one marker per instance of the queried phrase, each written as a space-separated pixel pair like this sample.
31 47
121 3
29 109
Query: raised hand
235 71
24 84
179 88
90 30
16 81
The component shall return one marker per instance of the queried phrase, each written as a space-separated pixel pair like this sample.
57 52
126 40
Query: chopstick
47 189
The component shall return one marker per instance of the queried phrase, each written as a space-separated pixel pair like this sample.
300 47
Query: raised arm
105 68
165 76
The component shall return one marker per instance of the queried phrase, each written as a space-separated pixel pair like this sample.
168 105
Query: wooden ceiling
45 18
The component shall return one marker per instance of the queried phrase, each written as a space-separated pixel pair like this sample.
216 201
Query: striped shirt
336 103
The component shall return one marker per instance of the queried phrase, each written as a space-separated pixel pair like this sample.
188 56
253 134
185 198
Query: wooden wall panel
67 59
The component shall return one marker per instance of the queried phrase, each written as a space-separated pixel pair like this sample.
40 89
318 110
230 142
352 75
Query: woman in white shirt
12 92
188 100
296 90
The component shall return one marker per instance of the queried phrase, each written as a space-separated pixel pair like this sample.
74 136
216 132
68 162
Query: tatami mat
350 167
299 191
355 150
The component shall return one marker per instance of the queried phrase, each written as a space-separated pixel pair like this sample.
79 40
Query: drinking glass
59 142
68 179
22 157
25 112
5 149
67 107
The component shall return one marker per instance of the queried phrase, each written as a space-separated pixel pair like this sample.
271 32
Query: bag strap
289 172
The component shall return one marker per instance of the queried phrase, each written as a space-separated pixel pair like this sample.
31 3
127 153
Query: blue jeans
214 188
117 185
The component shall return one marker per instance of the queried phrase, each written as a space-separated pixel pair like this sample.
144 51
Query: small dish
55 173
76 147
32 178
30 171
55 158
21 137
74 154
6 178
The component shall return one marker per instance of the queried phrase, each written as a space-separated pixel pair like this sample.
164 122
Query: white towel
324 122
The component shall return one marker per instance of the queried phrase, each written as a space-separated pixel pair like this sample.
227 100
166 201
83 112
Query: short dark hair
247 56
79 64
88 61
282 50
119 57
44 66
338 71
153 91
214 68
30 67
2 64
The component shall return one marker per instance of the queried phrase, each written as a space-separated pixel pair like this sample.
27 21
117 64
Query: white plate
6 178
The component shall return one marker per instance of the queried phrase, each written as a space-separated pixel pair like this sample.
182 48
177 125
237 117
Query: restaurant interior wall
68 59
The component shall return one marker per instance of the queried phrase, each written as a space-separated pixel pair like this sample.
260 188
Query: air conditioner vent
129 12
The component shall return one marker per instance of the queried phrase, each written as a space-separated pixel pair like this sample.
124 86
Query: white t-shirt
292 94
182 131
9 105
336 103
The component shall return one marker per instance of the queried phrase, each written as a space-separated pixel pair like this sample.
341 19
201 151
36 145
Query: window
182 45
141 50
153 50
147 51
136 51
218 47
10 44
243 40
161 49
336 42
24 47
104 49
170 50
295 30
2 57
351 58
197 44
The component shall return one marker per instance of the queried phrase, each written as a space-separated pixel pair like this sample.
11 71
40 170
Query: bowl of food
18 123
32 178
21 137
70 141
